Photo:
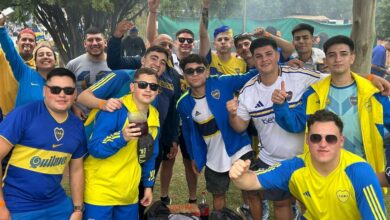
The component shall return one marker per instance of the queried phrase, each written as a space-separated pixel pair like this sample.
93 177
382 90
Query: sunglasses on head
183 39
57 90
245 34
143 85
191 71
317 138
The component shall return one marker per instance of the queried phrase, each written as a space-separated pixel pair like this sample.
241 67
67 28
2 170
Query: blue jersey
351 191
42 149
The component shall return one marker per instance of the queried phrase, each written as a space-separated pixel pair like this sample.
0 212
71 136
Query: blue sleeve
81 150
111 85
384 100
1 115
186 130
238 81
15 61
12 128
378 56
368 192
114 59
209 57
278 176
107 137
292 119
148 171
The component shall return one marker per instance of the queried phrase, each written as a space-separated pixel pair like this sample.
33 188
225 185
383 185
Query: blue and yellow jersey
42 149
351 191
112 171
235 65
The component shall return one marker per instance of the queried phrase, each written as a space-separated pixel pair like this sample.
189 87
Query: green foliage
383 19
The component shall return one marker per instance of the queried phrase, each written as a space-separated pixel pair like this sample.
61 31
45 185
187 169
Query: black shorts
216 183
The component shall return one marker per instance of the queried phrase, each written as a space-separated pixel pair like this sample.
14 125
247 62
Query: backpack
224 214
158 211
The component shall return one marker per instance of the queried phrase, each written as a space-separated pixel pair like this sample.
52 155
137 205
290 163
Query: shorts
117 212
61 211
167 148
216 183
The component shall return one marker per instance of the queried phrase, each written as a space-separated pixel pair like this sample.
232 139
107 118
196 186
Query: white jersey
218 159
255 103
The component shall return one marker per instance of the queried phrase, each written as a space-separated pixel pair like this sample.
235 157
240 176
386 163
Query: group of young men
317 134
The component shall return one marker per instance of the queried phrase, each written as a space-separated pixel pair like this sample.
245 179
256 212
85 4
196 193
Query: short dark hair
93 30
271 29
339 39
325 116
301 27
185 30
61 72
157 49
240 37
145 70
193 58
262 42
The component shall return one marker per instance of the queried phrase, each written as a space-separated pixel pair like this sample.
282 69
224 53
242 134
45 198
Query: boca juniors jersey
42 149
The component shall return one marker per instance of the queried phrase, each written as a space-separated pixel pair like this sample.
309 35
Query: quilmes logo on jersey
53 161
259 104
58 133
343 195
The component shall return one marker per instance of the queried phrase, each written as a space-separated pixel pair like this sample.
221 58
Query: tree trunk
363 29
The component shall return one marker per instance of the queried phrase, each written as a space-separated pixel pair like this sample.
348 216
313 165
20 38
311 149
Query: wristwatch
78 208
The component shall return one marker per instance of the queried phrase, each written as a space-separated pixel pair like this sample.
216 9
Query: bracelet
2 203
153 12
101 104
370 76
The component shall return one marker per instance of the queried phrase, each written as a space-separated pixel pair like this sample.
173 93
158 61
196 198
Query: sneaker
166 200
192 201
265 208
245 213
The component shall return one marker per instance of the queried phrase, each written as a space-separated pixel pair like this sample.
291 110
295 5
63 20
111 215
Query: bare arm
5 147
242 177
204 41
286 47
382 179
76 175
151 27
88 99
237 123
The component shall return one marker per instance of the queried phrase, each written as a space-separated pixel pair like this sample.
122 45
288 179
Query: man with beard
91 66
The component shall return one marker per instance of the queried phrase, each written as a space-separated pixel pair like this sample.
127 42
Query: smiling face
26 44
266 59
243 49
59 103
156 61
303 41
45 59
185 47
194 76
95 44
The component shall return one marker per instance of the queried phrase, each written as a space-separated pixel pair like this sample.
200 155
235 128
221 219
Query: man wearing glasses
209 139
114 168
45 137
350 96
331 182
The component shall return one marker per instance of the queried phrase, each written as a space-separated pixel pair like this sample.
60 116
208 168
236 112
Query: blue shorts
117 212
61 211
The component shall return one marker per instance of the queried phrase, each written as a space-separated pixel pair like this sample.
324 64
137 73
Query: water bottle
203 207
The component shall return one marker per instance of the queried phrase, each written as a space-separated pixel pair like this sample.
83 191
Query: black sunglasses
329 138
57 90
143 85
183 39
191 71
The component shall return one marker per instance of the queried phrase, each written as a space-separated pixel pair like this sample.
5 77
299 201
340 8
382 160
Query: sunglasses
143 85
183 39
57 90
191 71
329 138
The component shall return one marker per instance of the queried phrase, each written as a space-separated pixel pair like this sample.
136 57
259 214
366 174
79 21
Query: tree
383 19
363 29
66 21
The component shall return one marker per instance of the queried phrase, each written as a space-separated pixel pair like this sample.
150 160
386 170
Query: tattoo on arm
205 17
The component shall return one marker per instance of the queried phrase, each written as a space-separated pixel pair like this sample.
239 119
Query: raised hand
279 96
122 27
232 106
153 5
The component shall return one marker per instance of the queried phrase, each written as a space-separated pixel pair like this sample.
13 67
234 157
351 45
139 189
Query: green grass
179 191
